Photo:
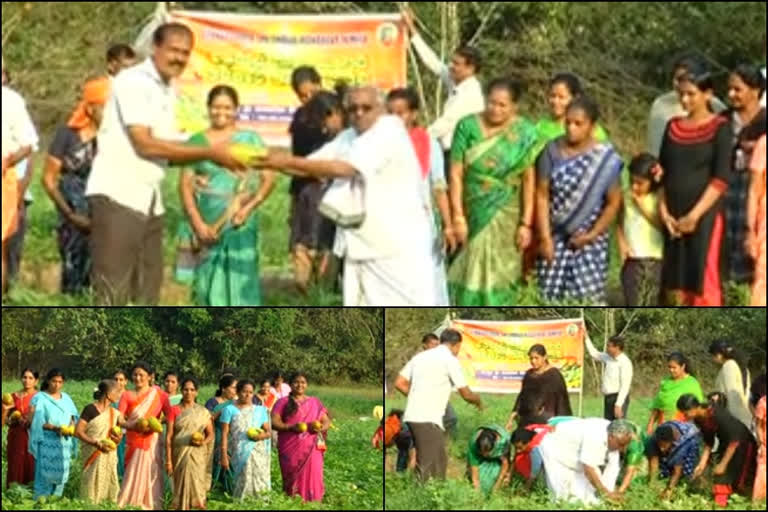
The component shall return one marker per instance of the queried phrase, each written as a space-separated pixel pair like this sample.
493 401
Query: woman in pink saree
302 424
143 477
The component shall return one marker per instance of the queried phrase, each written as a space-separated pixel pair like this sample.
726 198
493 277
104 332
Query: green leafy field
456 493
353 472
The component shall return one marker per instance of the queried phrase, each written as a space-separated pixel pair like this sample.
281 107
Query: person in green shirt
488 458
680 381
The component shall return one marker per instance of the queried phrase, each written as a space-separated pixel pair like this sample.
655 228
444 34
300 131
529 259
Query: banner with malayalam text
256 54
494 355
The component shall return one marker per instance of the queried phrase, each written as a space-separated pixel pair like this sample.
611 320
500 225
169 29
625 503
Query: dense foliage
650 333
332 345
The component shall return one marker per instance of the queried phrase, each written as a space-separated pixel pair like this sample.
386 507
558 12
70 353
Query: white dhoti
571 484
400 281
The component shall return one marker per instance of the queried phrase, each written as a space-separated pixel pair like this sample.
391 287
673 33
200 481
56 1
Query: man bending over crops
575 452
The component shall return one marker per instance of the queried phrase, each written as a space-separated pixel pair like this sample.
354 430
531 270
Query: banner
256 55
494 355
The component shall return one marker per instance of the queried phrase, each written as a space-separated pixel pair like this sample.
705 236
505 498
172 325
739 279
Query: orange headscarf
94 92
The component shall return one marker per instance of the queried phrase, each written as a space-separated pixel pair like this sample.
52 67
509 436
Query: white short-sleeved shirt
396 219
139 97
18 130
582 442
433 374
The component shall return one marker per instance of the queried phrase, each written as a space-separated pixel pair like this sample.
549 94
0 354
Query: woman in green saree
679 382
488 458
492 196
218 249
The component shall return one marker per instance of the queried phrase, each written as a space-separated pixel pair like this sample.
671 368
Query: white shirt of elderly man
388 257
573 445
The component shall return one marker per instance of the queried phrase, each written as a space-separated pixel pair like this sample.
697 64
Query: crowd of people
589 459
139 443
488 201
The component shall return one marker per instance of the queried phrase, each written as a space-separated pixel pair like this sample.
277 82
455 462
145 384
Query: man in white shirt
582 458
137 140
465 92
427 380
19 140
617 376
668 106
388 257
24 138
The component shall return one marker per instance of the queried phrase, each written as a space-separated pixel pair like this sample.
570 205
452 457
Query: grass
402 491
39 282
353 470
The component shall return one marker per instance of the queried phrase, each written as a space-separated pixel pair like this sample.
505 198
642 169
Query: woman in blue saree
52 447
578 198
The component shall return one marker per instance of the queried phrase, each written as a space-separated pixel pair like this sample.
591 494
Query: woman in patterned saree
578 197
143 478
21 464
189 447
300 443
99 479
219 245
52 448
492 192
247 455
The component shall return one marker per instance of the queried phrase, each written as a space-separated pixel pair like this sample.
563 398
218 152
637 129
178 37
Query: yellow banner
256 55
494 355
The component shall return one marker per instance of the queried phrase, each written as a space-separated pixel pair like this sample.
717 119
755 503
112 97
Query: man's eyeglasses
355 109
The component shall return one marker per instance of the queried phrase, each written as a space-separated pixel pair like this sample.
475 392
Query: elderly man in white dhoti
582 459
384 230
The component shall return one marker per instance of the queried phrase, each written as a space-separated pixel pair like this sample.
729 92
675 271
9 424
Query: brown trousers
127 254
431 457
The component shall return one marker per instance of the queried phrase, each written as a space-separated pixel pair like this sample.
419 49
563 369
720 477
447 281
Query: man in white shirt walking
465 92
427 380
137 141
617 376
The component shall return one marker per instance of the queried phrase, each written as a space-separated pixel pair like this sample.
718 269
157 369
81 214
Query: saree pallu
53 453
758 491
301 461
227 272
120 453
99 480
21 463
489 468
578 186
249 460
192 465
488 271
143 478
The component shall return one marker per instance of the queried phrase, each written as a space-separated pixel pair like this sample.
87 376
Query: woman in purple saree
302 424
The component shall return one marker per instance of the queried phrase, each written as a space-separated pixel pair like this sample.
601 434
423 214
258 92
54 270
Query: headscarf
95 92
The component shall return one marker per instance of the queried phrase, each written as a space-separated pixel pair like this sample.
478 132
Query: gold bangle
460 220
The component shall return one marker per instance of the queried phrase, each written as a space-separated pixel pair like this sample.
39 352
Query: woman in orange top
756 221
